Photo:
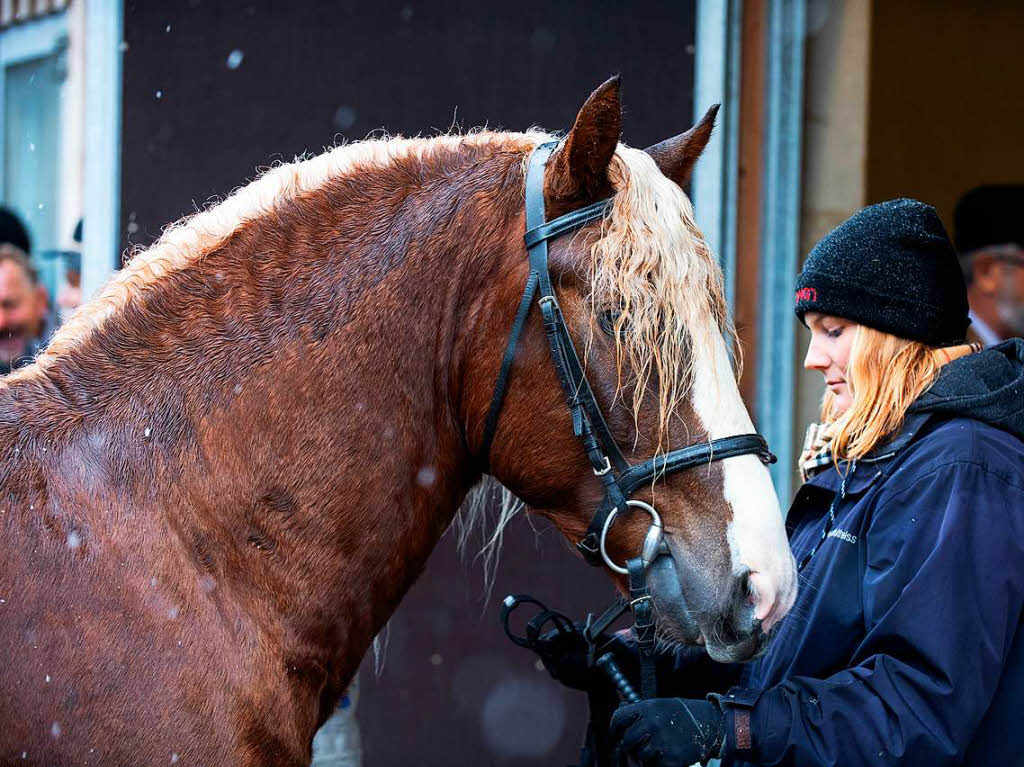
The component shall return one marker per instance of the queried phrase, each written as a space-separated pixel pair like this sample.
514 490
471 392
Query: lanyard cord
830 519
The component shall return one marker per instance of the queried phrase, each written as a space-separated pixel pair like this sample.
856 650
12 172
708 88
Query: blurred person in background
69 294
13 232
989 223
24 309
24 304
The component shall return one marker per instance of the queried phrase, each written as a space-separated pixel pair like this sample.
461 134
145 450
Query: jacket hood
987 386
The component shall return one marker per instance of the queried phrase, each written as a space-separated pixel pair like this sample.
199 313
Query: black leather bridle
619 479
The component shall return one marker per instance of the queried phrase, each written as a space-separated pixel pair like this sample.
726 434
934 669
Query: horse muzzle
728 628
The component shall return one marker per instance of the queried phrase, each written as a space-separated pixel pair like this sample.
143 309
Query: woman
905 645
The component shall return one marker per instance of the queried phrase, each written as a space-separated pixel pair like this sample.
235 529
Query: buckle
605 470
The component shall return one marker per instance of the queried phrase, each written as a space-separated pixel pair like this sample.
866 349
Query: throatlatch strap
501 385
643 626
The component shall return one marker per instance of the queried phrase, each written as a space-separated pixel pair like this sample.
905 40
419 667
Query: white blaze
756 534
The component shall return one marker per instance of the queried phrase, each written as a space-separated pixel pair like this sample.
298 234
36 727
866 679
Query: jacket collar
869 468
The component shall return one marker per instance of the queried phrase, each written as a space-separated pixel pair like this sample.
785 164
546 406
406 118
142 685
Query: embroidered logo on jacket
843 536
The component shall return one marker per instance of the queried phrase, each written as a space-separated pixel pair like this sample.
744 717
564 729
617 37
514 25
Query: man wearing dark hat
989 224
12 231
23 300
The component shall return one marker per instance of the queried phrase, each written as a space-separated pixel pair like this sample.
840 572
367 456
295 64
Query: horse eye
607 321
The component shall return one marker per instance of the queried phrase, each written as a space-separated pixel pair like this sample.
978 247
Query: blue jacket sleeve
942 592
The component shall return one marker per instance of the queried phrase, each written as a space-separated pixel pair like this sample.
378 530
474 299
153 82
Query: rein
618 478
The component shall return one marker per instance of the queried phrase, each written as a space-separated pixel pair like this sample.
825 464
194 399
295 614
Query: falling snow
235 59
55 729
344 117
74 540
426 476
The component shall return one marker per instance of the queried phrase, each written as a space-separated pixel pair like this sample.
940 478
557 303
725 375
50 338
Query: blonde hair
885 375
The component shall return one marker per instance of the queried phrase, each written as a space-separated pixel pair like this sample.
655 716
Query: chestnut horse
224 472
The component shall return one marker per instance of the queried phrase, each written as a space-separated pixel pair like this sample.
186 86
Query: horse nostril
749 592
766 595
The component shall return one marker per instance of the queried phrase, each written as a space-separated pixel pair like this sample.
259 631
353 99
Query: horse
222 474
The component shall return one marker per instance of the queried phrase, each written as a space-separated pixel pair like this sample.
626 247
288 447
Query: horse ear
578 172
675 157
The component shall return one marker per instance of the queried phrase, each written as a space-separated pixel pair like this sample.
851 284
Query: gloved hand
669 732
564 654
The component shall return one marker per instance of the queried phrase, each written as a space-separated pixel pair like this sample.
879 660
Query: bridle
619 479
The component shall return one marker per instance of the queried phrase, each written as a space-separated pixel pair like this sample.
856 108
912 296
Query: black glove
669 731
564 655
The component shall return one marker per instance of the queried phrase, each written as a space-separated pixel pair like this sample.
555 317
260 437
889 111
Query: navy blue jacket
905 645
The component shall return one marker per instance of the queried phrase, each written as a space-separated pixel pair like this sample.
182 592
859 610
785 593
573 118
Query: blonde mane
650 264
652 267
186 241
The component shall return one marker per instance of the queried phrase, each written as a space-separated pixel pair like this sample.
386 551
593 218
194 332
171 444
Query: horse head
642 298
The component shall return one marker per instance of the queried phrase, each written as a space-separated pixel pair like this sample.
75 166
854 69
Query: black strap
643 626
695 455
577 391
578 394
501 385
533 626
550 230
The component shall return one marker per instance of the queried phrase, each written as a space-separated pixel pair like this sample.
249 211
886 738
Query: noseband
619 479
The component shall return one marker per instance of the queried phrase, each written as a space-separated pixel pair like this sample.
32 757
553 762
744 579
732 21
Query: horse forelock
652 266
184 243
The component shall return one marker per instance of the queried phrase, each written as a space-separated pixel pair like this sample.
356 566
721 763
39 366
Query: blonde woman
905 645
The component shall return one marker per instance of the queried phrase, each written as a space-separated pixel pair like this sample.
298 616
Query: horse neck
288 400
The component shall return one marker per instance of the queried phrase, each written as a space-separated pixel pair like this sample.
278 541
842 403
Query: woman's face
829 354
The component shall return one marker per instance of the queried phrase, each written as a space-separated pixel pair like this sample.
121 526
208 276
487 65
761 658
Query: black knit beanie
890 267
